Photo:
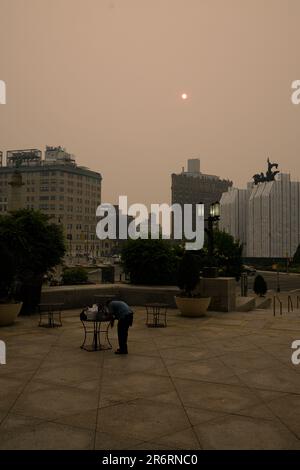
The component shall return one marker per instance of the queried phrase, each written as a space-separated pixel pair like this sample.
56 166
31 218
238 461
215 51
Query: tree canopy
151 262
34 245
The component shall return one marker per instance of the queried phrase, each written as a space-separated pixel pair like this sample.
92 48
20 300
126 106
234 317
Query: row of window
61 189
62 174
80 227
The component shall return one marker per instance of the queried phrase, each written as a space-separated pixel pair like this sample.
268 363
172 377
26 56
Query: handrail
274 305
290 304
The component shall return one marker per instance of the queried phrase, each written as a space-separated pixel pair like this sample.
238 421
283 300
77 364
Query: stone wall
81 296
221 290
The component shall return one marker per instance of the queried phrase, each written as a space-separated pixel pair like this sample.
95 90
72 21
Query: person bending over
123 313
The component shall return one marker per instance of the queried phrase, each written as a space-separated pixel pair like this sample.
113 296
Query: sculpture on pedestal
270 174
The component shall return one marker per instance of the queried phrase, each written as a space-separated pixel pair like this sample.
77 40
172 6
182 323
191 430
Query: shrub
260 286
296 257
76 275
188 275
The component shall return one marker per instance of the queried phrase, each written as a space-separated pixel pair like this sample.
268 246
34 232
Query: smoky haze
105 78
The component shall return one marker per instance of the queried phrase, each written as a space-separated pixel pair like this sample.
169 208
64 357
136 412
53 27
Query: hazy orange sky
104 78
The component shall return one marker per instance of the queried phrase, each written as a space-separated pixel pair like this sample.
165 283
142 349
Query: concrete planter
192 306
9 313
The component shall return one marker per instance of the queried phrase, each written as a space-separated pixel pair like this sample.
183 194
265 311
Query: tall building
192 186
265 217
57 186
234 218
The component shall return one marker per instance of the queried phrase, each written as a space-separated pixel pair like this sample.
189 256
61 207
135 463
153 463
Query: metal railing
290 304
276 298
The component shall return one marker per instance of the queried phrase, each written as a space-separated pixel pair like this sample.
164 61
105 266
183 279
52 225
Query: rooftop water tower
193 165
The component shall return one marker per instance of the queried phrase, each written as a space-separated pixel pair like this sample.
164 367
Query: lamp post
214 216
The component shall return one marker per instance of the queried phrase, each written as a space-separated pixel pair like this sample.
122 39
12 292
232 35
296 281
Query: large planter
9 313
192 306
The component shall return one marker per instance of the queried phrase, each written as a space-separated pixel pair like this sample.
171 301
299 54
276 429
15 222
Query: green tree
227 255
260 286
151 262
37 246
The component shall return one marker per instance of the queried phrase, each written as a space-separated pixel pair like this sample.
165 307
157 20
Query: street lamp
212 219
214 211
214 216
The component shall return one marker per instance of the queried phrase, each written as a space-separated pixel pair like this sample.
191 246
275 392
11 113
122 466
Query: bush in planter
188 303
76 275
37 245
260 286
188 274
7 273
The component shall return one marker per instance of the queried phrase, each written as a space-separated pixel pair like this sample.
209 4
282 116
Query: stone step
263 302
245 304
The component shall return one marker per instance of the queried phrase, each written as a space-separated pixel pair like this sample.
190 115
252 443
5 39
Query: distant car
250 270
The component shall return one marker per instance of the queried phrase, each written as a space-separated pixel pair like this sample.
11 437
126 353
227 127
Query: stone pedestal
222 291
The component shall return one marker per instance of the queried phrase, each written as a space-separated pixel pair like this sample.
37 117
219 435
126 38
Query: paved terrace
222 382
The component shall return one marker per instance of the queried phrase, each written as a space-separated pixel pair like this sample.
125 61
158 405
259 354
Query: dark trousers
123 325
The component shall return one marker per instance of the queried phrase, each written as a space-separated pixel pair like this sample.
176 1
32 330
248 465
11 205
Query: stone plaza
225 381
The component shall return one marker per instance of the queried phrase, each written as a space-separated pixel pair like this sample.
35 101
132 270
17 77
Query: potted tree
189 304
9 308
37 246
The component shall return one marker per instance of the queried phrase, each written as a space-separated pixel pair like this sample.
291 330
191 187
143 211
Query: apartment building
57 186
194 187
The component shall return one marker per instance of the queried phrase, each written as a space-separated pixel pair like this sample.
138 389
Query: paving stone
46 436
52 401
142 419
185 439
236 432
215 397
224 381
287 409
278 379
105 441
210 370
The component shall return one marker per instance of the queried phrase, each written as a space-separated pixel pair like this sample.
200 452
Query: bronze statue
269 176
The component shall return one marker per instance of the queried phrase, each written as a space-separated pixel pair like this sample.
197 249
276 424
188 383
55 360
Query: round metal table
50 310
94 328
158 315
